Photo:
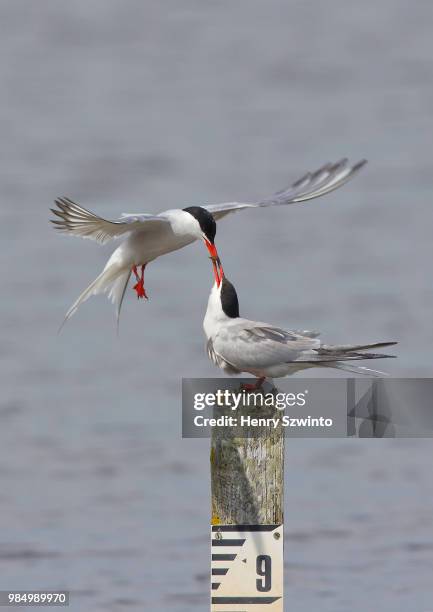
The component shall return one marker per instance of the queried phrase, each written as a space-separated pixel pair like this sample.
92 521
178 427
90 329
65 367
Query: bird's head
223 301
205 229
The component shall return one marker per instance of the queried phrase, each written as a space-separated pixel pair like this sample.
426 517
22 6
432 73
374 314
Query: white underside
140 247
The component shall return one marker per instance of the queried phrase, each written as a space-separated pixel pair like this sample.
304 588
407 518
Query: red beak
216 264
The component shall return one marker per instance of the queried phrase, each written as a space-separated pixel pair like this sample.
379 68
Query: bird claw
140 290
248 387
253 386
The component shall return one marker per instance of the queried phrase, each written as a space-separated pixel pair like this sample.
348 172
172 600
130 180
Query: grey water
142 106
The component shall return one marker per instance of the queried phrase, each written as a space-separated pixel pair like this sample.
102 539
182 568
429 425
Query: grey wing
250 345
312 185
307 333
219 360
76 220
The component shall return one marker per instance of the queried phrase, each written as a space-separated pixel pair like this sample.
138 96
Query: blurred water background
141 106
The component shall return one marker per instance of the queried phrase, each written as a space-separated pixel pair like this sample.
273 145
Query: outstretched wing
75 220
312 185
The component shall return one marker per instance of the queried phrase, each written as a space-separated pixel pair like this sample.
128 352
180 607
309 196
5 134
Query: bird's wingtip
360 165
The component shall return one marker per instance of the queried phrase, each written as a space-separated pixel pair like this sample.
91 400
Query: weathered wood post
247 478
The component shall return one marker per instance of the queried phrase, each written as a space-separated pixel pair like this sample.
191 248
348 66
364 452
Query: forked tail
113 280
360 369
349 352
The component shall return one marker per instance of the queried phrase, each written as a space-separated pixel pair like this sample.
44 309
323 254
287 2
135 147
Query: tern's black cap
205 219
229 299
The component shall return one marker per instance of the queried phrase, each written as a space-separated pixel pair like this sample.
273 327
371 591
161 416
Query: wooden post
247 479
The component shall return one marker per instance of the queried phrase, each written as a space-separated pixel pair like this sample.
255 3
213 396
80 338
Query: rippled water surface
129 106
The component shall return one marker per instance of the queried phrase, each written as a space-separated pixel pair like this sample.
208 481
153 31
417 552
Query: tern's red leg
253 386
139 286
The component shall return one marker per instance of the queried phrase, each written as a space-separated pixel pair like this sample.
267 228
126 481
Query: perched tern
237 345
149 236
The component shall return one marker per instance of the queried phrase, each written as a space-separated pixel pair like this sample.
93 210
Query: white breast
152 242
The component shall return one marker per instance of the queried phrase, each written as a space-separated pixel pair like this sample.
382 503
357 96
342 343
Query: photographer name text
270 422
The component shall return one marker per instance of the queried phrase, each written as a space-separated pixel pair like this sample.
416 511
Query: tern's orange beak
216 263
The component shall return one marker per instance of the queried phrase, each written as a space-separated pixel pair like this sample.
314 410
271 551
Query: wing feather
249 345
312 185
76 220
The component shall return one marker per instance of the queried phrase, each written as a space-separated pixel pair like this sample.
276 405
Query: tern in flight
237 345
148 236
